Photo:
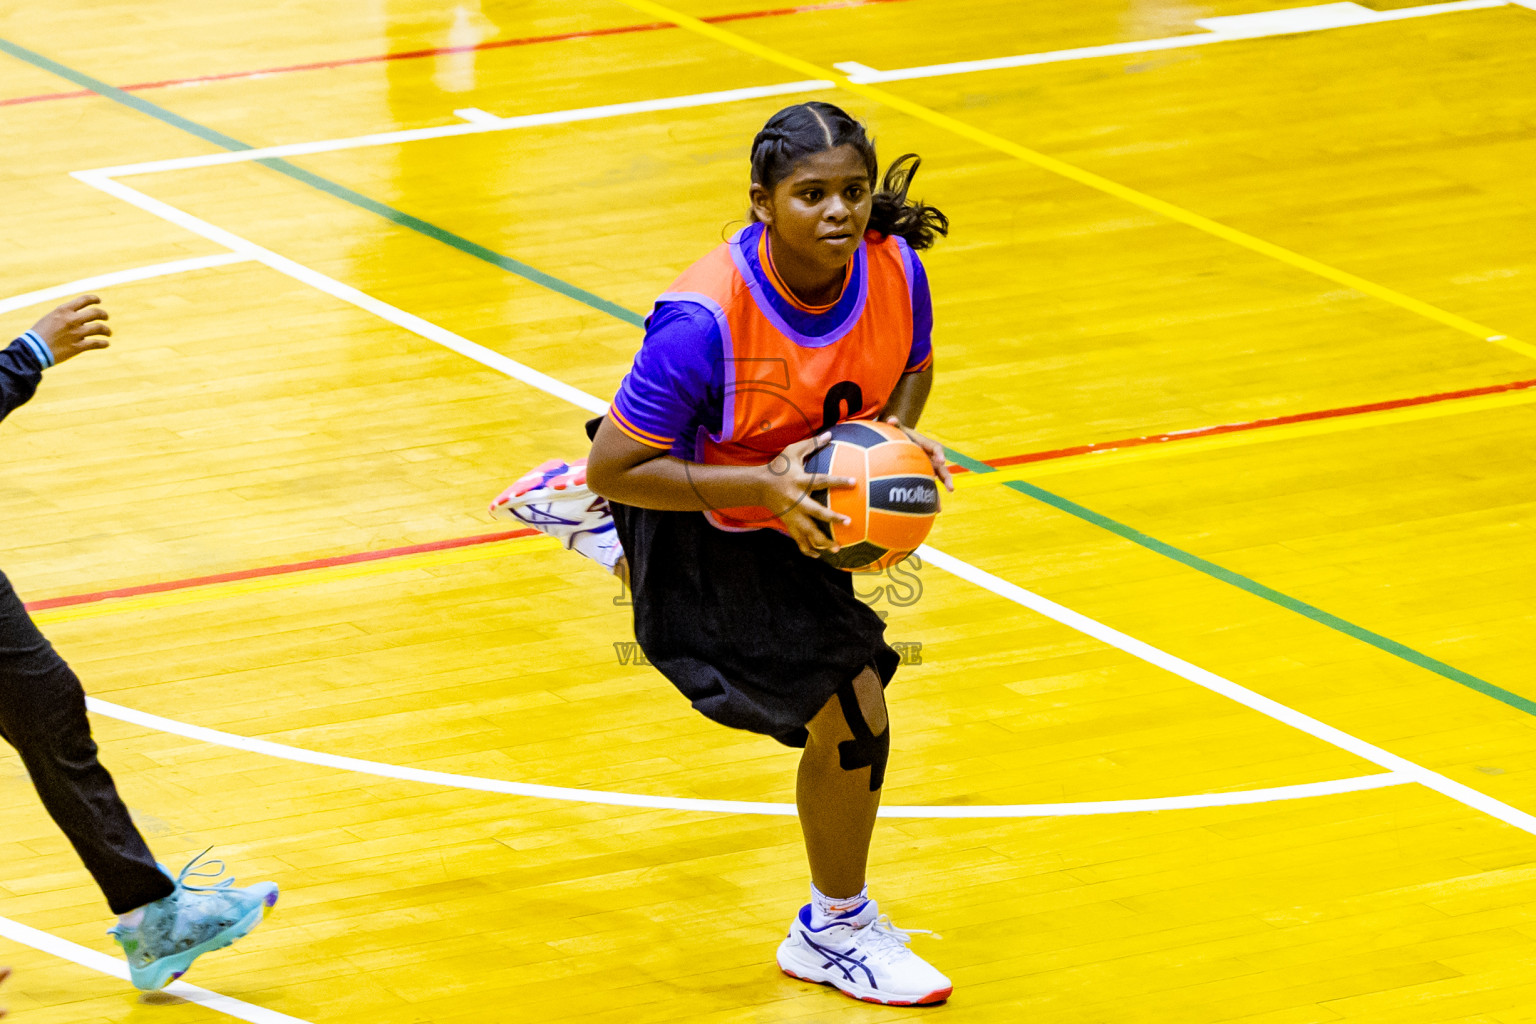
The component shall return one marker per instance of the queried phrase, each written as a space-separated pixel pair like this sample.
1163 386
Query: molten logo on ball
914 495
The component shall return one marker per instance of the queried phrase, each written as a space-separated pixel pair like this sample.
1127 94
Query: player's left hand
933 448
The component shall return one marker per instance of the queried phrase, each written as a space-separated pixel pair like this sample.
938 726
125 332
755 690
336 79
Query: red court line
498 44
47 96
1011 460
1234 428
277 570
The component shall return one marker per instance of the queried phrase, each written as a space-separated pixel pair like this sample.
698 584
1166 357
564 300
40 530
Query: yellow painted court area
348 344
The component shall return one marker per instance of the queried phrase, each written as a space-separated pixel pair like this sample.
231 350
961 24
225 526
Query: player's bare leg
840 938
837 806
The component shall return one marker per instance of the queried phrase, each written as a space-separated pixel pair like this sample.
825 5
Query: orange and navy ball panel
848 461
852 502
895 458
892 507
865 557
865 433
862 555
896 531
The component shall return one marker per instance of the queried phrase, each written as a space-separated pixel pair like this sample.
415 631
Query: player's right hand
76 326
786 490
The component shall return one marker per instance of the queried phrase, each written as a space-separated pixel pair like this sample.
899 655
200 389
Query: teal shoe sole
162 972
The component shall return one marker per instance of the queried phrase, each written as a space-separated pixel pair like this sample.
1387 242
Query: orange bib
782 386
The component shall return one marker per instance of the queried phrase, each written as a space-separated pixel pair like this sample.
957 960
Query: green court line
341 192
597 302
461 243
1257 589
961 459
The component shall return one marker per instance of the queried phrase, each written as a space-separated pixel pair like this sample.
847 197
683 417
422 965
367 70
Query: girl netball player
815 313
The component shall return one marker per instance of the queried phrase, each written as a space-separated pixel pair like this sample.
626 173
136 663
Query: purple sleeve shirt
676 386
677 383
922 319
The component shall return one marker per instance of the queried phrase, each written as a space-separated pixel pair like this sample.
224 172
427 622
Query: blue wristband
39 348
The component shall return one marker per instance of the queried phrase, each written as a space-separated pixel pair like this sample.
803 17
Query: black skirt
755 634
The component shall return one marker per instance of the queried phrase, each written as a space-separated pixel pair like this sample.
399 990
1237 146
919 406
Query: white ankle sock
603 548
132 919
825 908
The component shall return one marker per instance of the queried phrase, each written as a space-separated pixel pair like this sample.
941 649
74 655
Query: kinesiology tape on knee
865 750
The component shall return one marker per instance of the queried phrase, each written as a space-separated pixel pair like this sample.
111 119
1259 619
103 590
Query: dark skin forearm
622 469
909 397
904 408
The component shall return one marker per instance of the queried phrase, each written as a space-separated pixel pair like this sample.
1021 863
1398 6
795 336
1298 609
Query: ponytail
895 214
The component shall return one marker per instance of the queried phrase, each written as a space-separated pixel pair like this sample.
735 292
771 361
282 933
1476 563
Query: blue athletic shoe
193 920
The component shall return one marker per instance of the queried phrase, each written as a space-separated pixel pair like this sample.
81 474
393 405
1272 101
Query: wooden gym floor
1209 725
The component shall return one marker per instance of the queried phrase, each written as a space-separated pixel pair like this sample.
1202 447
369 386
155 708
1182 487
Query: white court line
103 964
1221 30
863 74
1241 694
474 115
1234 28
478 125
1325 16
91 284
1073 620
415 324
673 803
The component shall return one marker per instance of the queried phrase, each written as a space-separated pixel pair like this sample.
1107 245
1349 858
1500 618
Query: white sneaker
554 498
864 955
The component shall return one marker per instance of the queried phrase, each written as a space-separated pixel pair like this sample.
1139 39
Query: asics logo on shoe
535 515
842 961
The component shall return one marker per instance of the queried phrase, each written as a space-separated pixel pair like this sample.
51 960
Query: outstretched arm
76 326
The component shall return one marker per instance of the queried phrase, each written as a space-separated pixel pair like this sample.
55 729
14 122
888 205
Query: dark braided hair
797 132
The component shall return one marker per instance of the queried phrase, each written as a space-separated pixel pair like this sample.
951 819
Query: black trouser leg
42 715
